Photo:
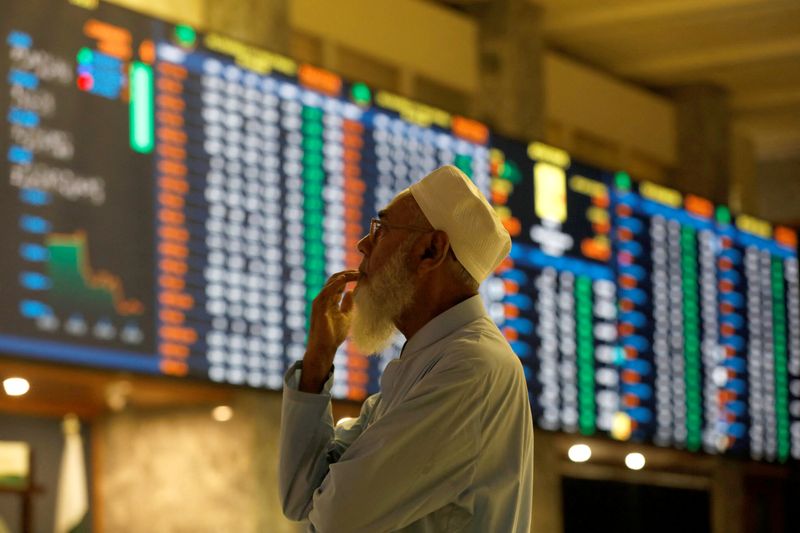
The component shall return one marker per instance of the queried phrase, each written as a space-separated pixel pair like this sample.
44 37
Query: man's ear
435 247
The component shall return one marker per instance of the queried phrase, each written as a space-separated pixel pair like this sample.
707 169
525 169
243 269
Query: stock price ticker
645 314
173 201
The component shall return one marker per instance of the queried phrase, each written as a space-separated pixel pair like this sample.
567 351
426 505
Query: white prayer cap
453 204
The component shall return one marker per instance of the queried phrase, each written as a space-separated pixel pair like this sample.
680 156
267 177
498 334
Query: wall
192 12
607 121
177 470
417 35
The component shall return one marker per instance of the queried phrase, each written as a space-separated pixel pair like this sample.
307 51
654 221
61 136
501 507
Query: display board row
172 202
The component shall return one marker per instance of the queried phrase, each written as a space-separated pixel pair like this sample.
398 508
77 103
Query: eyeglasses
376 225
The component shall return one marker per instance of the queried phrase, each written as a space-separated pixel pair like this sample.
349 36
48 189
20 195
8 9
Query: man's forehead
399 206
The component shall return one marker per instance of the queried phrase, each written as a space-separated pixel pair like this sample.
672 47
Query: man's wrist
313 377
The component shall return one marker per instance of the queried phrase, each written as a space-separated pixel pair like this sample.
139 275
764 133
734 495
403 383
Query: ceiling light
16 386
579 453
634 461
222 413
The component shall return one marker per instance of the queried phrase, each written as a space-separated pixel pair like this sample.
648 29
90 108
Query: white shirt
447 445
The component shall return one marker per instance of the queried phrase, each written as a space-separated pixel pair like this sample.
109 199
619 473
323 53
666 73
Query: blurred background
180 177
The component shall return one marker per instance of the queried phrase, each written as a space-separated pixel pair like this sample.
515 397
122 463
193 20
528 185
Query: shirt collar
444 324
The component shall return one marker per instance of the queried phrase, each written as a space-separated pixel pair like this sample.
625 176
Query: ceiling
750 48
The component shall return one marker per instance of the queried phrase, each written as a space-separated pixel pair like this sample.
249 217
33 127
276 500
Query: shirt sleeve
309 442
410 462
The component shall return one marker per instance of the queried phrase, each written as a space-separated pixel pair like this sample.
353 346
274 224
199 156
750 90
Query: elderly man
447 445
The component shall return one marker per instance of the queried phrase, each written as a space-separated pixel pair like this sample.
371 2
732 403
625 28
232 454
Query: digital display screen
173 201
646 314
708 309
559 308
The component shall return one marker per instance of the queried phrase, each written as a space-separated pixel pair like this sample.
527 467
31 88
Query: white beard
385 296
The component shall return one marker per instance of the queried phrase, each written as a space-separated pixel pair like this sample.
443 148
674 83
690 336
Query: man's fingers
336 283
342 277
347 302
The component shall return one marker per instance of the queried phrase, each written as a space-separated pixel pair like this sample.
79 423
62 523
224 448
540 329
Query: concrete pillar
547 505
510 41
703 141
262 23
743 191
727 497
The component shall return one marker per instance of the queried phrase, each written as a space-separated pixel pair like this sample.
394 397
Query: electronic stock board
173 201
648 314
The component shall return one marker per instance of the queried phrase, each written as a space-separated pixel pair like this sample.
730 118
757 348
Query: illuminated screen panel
175 201
559 307
76 201
645 314
706 303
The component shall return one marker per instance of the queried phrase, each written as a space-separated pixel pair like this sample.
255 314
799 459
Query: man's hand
330 322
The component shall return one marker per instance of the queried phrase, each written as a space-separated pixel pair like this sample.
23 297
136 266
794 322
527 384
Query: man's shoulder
480 345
